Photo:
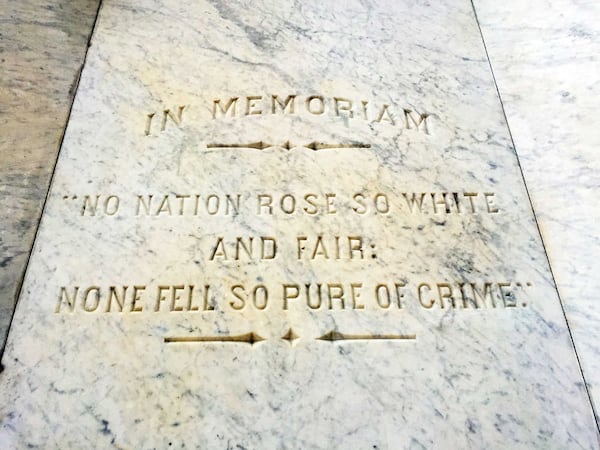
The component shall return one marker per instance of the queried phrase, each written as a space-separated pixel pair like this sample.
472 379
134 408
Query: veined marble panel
43 46
289 225
546 58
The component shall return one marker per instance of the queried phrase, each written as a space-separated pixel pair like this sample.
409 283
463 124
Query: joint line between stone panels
62 138
536 220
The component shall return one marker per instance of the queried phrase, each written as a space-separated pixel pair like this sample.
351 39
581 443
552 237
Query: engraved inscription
333 336
248 338
285 204
248 248
172 115
287 145
320 105
253 338
330 247
187 204
210 297
347 107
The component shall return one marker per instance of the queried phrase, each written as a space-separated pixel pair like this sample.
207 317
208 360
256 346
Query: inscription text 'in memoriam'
292 104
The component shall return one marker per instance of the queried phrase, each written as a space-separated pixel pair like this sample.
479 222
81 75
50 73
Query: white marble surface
42 46
546 58
503 377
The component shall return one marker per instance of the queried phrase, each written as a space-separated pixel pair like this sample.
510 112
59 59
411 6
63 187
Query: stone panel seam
73 89
536 221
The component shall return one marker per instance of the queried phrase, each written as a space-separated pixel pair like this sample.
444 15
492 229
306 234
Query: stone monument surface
289 225
43 45
559 61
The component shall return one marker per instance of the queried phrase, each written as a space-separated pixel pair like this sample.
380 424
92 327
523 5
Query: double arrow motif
253 338
315 146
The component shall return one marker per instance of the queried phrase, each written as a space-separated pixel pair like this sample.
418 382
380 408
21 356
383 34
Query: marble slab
43 46
545 58
289 225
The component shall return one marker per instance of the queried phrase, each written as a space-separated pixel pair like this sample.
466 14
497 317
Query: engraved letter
507 297
487 292
339 295
383 300
354 288
137 290
64 298
149 118
92 206
230 104
360 199
445 292
251 105
422 119
96 299
490 202
112 292
141 201
289 295
218 250
160 297
431 303
413 201
175 118
343 104
283 105
384 114
242 303
265 204
265 253
321 108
